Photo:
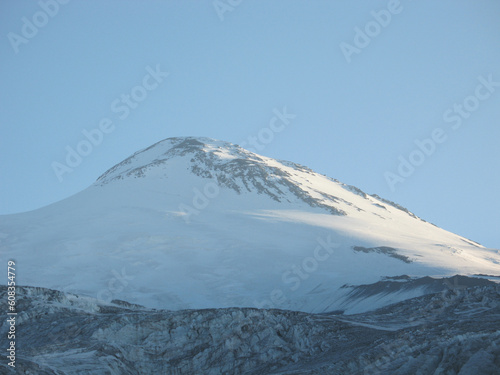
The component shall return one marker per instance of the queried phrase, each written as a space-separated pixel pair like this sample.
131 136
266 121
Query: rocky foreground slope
456 331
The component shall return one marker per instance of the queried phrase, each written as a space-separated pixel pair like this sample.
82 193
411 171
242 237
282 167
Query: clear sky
366 82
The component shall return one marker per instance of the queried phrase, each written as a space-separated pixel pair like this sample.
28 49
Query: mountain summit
200 223
229 166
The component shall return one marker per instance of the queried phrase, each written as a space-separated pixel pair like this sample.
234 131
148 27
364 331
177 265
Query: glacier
192 223
196 256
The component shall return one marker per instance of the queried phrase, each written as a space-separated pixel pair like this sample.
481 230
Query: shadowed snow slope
199 223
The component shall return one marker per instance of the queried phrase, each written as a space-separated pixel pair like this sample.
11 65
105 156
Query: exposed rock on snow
199 223
230 165
383 250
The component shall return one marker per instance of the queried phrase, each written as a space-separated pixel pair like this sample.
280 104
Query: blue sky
419 69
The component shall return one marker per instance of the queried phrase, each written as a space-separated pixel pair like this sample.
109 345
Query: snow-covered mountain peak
260 232
229 165
198 150
177 160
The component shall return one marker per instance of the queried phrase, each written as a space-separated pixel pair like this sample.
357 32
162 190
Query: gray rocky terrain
455 331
